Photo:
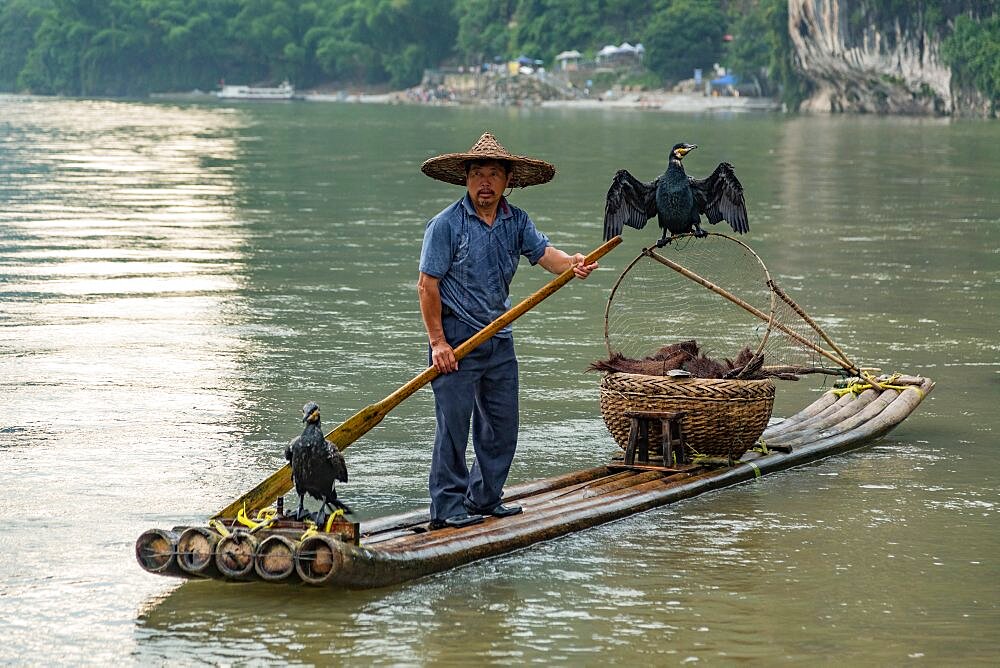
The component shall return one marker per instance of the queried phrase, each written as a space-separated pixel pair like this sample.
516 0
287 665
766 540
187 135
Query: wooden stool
671 442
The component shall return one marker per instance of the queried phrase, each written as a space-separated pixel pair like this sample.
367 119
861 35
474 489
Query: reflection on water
176 281
121 268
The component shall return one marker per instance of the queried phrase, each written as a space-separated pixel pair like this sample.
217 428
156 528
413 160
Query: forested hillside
134 47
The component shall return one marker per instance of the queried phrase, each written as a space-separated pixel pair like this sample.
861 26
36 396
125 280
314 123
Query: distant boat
283 92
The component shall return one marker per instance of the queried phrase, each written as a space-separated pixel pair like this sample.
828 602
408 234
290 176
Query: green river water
177 279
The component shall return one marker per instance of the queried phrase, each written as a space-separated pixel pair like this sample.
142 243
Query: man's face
486 182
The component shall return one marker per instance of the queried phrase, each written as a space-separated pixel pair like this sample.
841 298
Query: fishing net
717 291
658 300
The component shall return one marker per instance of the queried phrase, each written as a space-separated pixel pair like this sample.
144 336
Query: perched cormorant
316 465
676 199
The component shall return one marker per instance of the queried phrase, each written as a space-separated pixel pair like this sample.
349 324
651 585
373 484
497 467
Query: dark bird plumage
316 465
676 199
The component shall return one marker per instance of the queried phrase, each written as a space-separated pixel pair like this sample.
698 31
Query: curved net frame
713 289
717 291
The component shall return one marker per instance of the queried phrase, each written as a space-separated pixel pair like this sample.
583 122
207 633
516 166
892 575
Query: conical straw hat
526 171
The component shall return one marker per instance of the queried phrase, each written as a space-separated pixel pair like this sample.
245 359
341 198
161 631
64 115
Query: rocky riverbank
649 100
536 91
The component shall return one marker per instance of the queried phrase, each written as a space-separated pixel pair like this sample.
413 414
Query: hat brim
525 171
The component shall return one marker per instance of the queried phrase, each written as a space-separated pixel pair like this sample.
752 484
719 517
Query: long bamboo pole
363 421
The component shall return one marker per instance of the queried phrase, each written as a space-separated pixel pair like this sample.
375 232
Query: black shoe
456 521
501 510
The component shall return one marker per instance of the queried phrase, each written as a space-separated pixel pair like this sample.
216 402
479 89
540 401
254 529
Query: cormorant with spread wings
676 199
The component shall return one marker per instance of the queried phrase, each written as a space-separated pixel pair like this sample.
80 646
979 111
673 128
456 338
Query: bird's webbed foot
699 233
662 241
300 513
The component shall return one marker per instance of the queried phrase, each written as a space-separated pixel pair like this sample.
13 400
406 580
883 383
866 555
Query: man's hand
579 268
442 354
557 261
443 357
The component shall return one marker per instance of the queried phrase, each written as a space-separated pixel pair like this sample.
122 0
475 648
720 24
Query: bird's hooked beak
681 151
311 416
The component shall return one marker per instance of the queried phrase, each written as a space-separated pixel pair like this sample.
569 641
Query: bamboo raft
397 548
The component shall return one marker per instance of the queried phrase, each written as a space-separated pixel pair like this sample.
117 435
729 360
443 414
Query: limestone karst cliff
857 58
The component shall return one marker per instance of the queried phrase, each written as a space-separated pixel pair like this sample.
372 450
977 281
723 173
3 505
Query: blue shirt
475 262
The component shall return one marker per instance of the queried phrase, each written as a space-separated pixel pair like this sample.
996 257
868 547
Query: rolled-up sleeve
436 252
533 242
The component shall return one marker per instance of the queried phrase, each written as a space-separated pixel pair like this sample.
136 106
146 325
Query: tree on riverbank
973 51
132 47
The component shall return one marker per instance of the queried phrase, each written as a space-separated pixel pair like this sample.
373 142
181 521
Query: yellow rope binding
311 531
265 518
220 527
870 383
339 512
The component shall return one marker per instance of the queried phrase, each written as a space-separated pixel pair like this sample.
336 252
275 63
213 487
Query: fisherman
470 252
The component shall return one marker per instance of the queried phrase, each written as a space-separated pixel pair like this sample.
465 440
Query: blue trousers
484 391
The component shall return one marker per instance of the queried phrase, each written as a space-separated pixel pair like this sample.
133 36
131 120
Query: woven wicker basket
722 417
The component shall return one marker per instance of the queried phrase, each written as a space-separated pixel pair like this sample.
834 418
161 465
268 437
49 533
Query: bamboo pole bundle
616 484
390 563
847 406
451 547
824 401
827 403
516 529
591 486
555 484
354 567
870 430
558 506
610 480
879 404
